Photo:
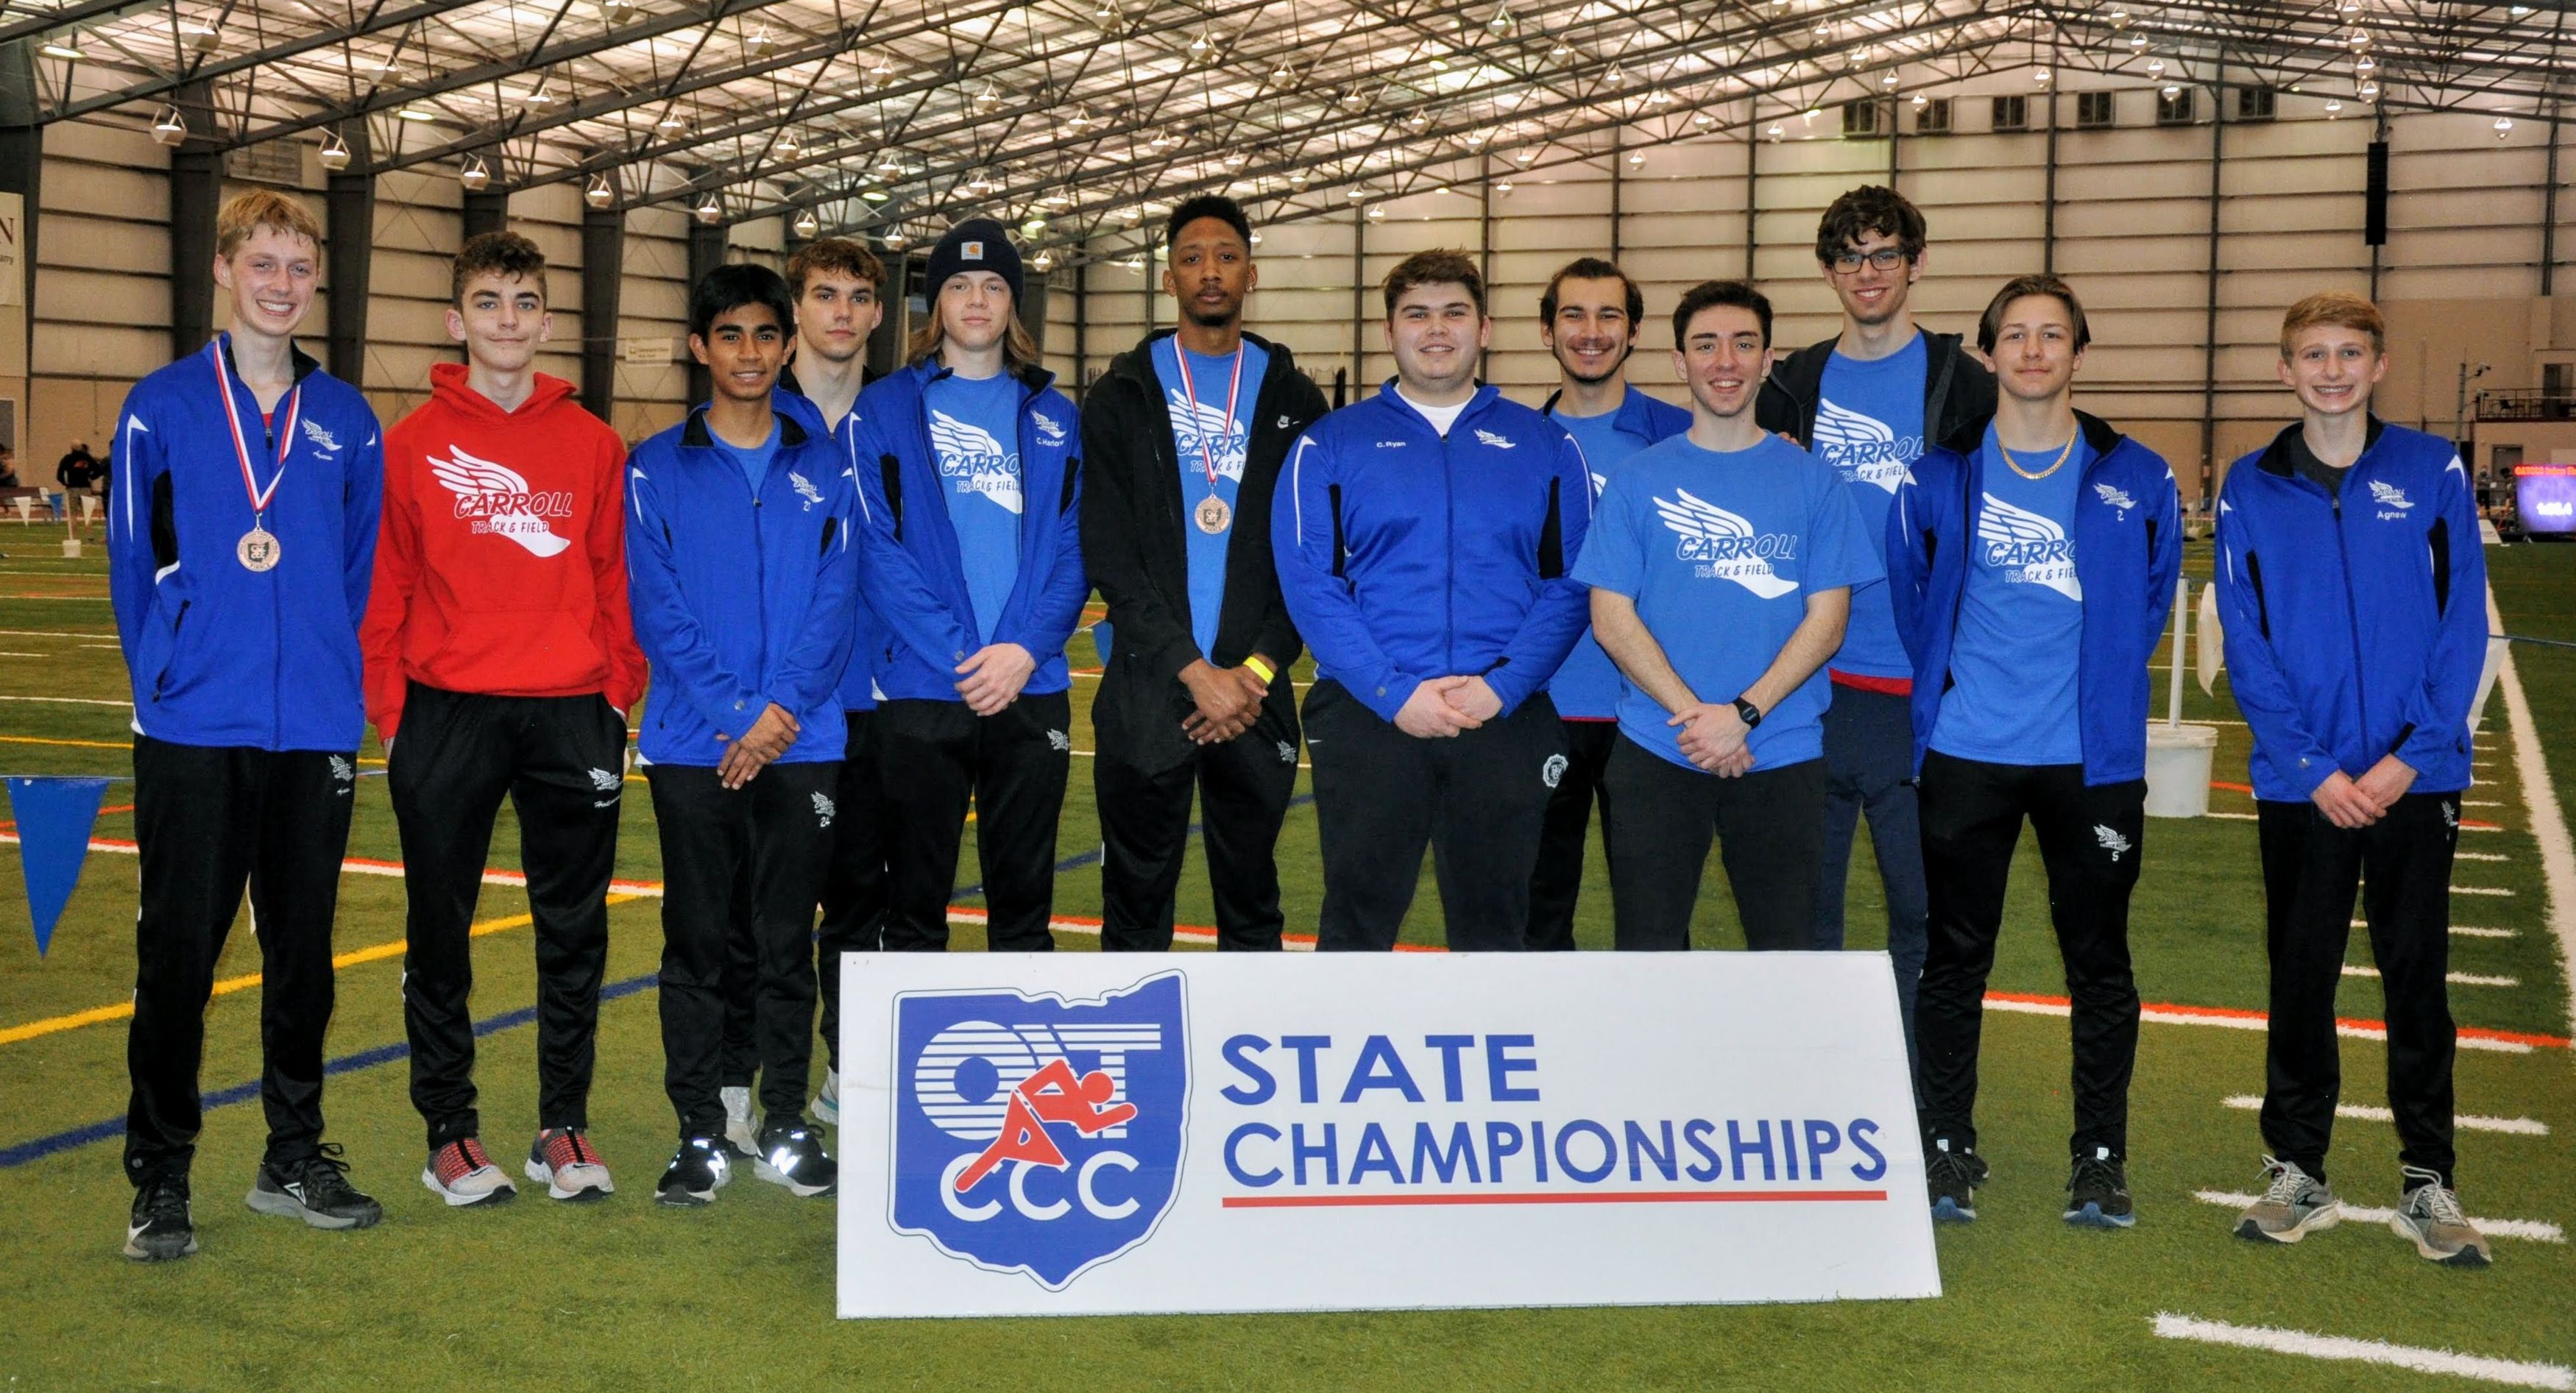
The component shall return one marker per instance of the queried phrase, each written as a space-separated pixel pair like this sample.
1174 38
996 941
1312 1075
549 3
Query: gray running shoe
827 1104
316 1190
2430 1217
740 1137
2295 1205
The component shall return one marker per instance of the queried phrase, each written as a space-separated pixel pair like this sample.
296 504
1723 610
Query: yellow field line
378 953
93 744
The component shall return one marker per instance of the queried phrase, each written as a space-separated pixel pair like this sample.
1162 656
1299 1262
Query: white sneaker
461 1174
741 1138
561 1159
827 1104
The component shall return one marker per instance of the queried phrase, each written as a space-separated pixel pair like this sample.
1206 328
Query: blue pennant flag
54 818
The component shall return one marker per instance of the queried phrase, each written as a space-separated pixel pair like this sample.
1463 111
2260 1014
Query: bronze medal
1213 515
257 549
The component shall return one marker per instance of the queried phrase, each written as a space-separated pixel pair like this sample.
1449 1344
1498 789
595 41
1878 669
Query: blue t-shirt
754 462
2021 620
1586 687
1719 551
1218 430
975 434
1869 427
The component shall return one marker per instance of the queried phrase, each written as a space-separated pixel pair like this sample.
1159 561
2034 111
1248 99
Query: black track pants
937 757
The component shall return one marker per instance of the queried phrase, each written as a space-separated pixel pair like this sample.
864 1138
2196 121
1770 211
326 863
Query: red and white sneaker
561 1158
462 1174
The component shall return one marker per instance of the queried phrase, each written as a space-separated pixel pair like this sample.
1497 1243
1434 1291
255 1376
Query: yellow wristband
1260 669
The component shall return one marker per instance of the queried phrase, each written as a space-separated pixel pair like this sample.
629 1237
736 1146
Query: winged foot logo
1034 1134
498 501
1723 546
969 455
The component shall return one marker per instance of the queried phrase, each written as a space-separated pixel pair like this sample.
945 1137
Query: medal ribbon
1189 391
259 497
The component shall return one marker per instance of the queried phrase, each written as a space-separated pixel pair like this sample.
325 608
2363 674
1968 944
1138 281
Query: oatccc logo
497 499
1033 1134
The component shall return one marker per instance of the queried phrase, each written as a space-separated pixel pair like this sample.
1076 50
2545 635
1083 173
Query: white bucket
2178 766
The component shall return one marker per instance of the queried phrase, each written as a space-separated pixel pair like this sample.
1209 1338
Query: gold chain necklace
2062 457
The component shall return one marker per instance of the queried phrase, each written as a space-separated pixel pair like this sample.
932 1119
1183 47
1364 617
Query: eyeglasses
1885 259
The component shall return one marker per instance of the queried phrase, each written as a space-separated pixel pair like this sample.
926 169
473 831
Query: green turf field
739 1295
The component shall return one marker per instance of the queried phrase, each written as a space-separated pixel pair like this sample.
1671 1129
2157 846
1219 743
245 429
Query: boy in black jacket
1185 436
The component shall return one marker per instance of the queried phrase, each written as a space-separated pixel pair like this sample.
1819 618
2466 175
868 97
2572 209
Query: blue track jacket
909 563
2356 627
1405 556
741 600
868 633
2128 551
219 654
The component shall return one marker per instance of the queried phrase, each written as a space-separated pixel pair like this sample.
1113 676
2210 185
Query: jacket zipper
2351 612
1449 541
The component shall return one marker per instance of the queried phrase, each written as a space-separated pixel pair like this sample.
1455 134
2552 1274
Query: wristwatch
1751 713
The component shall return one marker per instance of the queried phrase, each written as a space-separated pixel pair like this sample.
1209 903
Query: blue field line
42 1147
23 1153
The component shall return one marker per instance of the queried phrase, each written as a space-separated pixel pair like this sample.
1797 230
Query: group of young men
1886 577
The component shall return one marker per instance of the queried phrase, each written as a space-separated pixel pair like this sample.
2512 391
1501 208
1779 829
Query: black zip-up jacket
1957 389
1134 529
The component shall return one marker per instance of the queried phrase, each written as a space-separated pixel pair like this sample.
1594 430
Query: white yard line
2529 1230
2482 890
2469 931
70 701
2457 979
2480 856
2516 1372
55 633
2540 802
2363 1112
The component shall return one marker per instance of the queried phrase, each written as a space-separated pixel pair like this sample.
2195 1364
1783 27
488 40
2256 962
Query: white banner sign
1082 1133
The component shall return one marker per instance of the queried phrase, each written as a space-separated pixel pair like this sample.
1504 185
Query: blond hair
245 215
1019 349
2337 308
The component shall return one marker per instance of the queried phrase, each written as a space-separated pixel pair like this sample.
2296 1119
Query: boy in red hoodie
499 651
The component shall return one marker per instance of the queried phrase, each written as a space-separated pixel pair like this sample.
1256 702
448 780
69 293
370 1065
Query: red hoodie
501 568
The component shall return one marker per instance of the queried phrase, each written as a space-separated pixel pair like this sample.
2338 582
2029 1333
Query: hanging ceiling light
2040 76
2359 39
1636 159
1501 23
787 146
2503 127
1560 50
1298 179
599 193
65 49
2170 90
1888 79
1032 226
1504 188
170 128
2137 43
807 225
987 99
2365 65
416 113
1199 46
1377 212
1921 101
894 239
2155 68
981 184
875 195
1043 261
1702 120
711 209
670 124
2369 92
474 174
1524 155
202 38
761 45
1659 98
1256 239
618 11
1057 198
1775 132
335 152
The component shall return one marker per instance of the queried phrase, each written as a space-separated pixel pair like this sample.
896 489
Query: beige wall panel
98 350
72 298
96 244
61 410
108 192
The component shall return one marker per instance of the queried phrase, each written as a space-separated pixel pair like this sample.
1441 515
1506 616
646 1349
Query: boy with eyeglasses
1866 402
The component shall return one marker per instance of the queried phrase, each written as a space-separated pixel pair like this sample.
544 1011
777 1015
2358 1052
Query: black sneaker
316 1190
699 1169
793 1156
1952 1178
2097 1195
161 1229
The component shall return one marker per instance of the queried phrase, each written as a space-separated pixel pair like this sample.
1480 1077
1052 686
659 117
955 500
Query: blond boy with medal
1184 439
241 540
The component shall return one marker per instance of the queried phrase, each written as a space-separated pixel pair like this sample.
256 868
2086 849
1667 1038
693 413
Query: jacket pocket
170 655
